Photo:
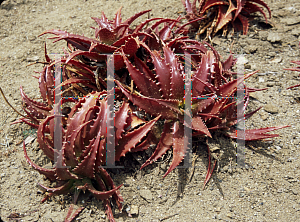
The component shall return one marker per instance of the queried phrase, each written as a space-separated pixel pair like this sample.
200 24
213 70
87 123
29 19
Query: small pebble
294 191
134 210
247 66
146 194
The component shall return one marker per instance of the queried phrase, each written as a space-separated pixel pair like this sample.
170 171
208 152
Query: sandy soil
267 189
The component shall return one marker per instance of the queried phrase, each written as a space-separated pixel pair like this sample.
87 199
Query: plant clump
150 77
217 15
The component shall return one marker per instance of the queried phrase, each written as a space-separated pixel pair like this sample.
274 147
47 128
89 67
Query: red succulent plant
80 162
113 37
155 81
77 81
160 91
218 14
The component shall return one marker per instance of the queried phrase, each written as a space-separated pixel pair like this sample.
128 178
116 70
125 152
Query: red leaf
224 17
145 85
87 166
166 108
163 74
132 18
69 146
91 55
108 180
58 190
70 218
120 120
229 88
201 74
255 134
211 3
50 173
48 151
130 140
178 146
245 23
198 125
163 146
209 170
263 4
105 35
102 195
177 83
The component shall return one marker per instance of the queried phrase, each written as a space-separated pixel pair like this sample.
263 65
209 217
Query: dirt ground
266 189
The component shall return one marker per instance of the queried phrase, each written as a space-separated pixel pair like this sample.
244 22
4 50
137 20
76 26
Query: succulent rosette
218 14
80 161
161 92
